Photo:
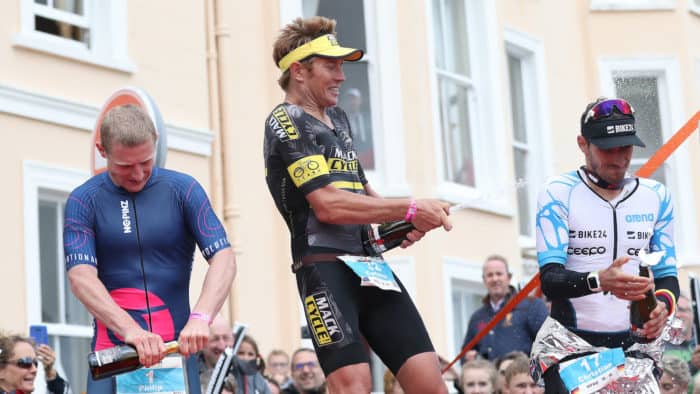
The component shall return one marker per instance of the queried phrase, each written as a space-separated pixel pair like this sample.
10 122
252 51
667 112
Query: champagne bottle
640 311
386 236
119 359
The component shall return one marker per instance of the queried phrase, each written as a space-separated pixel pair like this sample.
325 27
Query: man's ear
101 149
582 143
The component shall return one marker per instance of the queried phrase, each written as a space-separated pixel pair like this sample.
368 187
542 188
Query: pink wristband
411 212
200 316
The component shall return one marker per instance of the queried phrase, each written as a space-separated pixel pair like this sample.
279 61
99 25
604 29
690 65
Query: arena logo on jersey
639 218
322 320
282 125
307 168
126 216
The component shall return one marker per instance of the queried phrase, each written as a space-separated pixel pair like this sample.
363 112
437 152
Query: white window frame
50 179
632 5
694 6
389 176
454 268
673 116
486 121
106 20
530 52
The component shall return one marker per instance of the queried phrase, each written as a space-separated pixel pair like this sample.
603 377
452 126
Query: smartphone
39 334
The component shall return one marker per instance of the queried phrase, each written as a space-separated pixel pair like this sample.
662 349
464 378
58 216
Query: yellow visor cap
324 46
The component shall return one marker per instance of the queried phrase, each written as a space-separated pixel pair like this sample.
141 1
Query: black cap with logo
609 123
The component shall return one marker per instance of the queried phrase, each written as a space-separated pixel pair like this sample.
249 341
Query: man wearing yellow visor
310 162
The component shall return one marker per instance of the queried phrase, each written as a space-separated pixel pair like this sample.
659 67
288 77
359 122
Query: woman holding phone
18 366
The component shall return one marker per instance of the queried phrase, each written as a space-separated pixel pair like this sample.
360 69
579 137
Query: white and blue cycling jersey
580 230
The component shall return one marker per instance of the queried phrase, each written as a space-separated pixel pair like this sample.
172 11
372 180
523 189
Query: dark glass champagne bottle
386 236
119 359
640 311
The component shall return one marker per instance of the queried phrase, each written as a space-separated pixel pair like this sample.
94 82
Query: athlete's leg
393 328
351 379
421 374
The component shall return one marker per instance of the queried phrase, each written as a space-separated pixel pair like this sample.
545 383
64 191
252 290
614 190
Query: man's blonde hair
126 125
295 34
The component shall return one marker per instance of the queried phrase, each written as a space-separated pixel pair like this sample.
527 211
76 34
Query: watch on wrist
593 282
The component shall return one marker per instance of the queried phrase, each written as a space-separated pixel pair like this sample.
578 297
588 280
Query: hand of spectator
47 357
413 237
193 337
623 285
471 355
149 346
431 214
657 321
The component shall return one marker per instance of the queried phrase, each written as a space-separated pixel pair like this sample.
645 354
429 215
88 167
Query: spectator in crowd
518 379
248 351
478 377
18 366
220 337
683 351
230 386
391 385
676 376
243 369
517 330
273 385
502 364
307 376
278 368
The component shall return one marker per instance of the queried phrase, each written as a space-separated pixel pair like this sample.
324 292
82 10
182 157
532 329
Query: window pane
456 44
355 102
457 143
72 6
349 14
42 2
48 261
643 94
438 34
465 300
73 352
517 99
61 29
520 160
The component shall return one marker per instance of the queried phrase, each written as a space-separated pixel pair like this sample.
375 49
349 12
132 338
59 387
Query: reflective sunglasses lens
26 362
607 108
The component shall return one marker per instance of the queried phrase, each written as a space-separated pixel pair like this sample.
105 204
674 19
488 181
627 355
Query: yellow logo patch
307 168
283 125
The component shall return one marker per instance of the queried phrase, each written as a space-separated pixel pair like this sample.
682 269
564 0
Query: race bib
588 374
373 271
166 377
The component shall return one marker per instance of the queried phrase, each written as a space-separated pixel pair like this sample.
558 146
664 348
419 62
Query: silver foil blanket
554 342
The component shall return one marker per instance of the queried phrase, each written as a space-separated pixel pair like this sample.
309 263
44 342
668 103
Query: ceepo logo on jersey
322 319
126 216
639 218
590 251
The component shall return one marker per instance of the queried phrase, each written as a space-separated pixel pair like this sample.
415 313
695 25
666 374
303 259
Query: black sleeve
669 283
57 386
558 282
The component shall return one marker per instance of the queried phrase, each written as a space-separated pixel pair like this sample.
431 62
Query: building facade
472 101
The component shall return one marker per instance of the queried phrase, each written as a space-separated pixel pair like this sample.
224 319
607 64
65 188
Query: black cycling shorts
340 313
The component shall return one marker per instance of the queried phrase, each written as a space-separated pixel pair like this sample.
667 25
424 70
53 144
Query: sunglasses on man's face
24 362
